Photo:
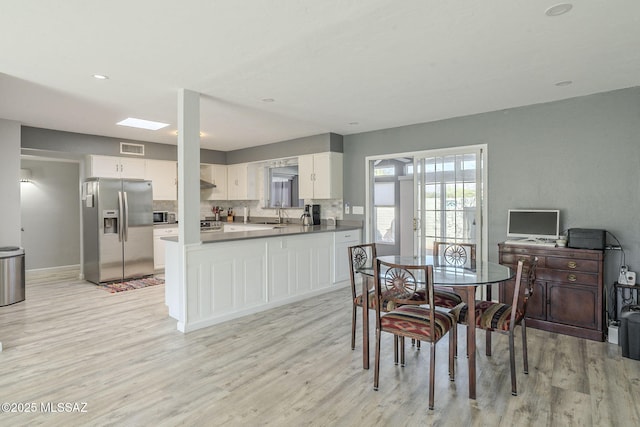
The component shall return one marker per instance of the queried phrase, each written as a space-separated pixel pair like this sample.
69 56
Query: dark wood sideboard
568 295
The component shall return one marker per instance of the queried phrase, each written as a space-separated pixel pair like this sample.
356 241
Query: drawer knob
572 277
572 264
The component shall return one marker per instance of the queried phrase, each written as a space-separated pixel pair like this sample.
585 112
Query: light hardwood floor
291 366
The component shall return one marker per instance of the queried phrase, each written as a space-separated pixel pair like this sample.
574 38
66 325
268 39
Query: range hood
204 185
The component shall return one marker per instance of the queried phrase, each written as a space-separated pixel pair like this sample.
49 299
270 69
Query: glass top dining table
482 273
465 280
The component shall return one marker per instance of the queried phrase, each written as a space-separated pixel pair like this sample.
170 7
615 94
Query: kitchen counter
278 230
159 226
251 271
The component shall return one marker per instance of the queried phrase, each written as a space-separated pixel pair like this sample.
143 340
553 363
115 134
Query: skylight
142 124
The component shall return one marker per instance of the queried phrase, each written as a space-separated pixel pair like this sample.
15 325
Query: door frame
483 148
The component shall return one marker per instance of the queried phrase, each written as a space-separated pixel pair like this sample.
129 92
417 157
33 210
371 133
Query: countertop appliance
164 217
210 226
306 216
117 224
315 214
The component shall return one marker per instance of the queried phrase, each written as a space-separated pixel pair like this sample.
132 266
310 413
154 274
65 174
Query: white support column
188 191
189 166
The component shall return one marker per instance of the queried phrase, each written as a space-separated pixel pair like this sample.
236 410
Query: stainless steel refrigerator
117 217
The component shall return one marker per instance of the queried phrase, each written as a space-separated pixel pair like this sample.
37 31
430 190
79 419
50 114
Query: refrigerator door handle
120 213
126 217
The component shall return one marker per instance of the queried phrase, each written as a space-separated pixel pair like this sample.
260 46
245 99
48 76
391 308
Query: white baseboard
53 274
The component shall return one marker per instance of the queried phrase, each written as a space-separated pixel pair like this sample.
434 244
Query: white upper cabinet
164 177
320 176
241 181
217 175
237 181
115 167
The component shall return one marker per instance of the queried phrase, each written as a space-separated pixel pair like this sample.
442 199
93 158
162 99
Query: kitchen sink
210 229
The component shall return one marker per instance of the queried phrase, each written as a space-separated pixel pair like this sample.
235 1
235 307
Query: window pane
384 194
385 224
450 203
385 171
430 196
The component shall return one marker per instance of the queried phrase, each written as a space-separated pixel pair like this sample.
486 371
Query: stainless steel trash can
629 336
11 275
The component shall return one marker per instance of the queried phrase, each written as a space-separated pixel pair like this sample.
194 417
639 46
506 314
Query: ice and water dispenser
110 222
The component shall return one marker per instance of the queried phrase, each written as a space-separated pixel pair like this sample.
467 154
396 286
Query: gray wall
10 183
293 147
50 212
68 145
581 156
55 143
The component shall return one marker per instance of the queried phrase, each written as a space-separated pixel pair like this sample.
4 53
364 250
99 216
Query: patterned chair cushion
444 298
441 298
413 321
385 301
489 315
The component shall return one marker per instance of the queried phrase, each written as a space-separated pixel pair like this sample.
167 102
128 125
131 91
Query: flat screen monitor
533 224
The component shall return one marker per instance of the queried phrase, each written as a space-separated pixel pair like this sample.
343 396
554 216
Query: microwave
164 217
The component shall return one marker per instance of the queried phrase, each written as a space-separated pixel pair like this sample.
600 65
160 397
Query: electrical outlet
347 208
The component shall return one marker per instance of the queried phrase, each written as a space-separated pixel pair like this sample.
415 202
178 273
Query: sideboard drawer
581 265
567 276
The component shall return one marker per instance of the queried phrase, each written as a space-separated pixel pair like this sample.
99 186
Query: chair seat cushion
445 298
441 298
413 321
489 315
385 301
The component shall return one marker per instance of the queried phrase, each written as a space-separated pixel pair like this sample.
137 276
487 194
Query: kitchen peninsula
233 274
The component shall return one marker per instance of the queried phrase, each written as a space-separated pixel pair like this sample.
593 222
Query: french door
449 198
416 199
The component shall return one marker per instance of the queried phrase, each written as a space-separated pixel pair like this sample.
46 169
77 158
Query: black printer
586 238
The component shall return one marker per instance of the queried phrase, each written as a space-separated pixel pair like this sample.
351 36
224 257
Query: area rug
114 287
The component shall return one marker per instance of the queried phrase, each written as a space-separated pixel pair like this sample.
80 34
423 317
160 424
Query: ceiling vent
129 148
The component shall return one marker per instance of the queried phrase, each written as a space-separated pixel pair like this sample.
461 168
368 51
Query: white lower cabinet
225 278
299 264
343 240
230 279
159 245
282 278
313 261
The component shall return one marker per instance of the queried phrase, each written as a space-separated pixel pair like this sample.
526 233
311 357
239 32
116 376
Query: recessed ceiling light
559 9
354 123
564 83
100 77
267 100
142 124
175 132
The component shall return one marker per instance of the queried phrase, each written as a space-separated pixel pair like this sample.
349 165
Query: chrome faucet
281 215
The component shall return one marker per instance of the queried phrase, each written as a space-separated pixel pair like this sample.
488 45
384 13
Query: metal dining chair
408 289
503 318
363 256
455 254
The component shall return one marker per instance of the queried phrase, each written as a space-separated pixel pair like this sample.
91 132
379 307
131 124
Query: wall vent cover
129 148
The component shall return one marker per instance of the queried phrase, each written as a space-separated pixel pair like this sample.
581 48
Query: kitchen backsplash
165 205
328 208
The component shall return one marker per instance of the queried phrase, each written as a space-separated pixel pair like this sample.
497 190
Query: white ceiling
343 66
